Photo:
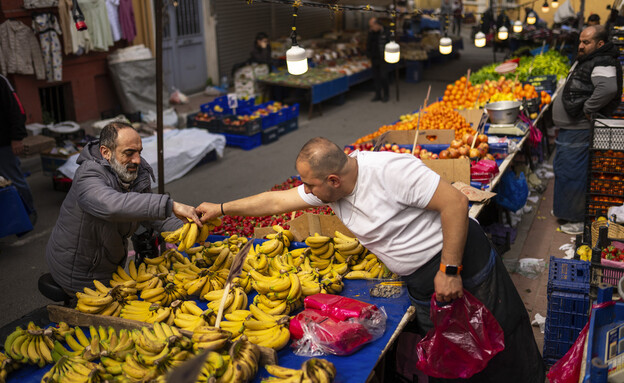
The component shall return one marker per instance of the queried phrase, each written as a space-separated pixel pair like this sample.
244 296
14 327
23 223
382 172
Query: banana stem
226 290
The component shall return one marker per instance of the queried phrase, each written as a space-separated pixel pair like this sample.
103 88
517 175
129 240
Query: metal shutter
237 26
311 22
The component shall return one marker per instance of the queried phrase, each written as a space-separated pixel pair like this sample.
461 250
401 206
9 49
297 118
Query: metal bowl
503 112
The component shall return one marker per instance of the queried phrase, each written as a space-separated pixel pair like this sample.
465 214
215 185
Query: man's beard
123 170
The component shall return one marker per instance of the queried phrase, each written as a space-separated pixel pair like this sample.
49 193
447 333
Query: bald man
593 87
418 225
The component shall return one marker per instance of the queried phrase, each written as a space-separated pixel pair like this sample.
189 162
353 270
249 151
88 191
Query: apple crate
234 125
270 135
243 142
205 121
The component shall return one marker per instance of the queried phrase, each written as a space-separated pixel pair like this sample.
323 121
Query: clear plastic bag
464 338
335 326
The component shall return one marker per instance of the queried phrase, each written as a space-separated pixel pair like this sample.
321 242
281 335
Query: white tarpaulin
183 149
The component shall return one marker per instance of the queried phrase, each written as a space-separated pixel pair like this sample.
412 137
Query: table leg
310 110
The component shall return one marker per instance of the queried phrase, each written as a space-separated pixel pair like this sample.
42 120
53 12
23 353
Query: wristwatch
451 269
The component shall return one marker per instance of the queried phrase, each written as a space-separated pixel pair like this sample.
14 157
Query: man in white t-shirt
418 225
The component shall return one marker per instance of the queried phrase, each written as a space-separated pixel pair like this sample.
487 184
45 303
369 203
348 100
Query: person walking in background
375 44
261 52
593 86
12 121
593 19
458 11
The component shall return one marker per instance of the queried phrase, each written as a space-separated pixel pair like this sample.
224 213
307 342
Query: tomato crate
203 121
569 275
234 125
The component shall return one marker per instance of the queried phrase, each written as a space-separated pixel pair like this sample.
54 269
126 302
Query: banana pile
106 300
146 312
242 365
32 345
190 233
214 366
313 370
265 329
210 338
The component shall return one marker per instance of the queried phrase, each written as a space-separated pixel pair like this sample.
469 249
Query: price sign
232 100
482 121
547 83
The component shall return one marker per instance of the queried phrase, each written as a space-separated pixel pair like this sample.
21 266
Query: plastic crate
61 183
270 135
192 122
243 142
231 125
608 134
414 71
568 270
50 162
605 274
290 125
571 303
291 111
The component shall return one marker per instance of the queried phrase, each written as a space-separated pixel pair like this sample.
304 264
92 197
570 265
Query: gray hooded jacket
98 215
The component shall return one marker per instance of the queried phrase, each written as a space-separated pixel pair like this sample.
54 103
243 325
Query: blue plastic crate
270 135
568 275
414 71
290 125
243 142
569 302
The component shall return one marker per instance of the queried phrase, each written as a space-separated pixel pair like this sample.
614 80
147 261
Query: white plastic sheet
183 149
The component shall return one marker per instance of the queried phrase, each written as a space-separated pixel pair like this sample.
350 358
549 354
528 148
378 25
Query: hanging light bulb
545 7
392 52
480 39
446 45
503 33
517 27
531 18
554 4
296 58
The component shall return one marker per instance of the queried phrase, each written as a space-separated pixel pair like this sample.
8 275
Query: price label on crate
232 100
547 83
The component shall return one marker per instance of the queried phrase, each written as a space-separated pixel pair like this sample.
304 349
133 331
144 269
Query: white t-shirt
386 210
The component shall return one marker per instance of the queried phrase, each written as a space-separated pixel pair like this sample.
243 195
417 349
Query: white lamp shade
480 40
392 52
531 18
446 45
517 28
503 33
545 8
554 4
296 60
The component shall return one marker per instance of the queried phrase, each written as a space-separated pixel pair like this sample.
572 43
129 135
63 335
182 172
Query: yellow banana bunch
309 283
370 268
236 299
6 366
60 330
312 370
348 249
32 345
285 232
264 284
99 301
584 253
267 330
243 363
190 322
234 322
74 369
145 312
332 283
137 371
214 366
209 338
317 241
259 262
274 245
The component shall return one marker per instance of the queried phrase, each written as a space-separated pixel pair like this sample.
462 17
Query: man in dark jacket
109 198
12 120
375 45
593 87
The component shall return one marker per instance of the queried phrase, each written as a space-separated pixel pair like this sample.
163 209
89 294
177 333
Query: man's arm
259 205
605 88
453 208
14 114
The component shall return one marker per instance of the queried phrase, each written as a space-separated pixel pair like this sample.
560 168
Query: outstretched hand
447 287
208 211
186 212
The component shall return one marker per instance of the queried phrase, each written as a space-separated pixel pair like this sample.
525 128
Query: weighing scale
518 129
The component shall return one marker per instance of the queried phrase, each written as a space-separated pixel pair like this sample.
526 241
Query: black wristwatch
451 269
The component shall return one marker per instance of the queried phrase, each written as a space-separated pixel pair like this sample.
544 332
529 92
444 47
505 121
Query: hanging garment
19 50
76 42
48 29
99 28
143 11
112 8
126 19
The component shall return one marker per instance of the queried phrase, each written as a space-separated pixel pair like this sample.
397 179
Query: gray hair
108 136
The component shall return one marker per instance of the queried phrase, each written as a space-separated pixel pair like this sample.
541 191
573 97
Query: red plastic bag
464 338
338 307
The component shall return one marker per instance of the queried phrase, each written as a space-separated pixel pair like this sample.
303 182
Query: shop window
55 103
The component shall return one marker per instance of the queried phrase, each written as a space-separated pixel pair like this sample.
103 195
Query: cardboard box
472 116
451 170
307 224
425 137
37 144
52 161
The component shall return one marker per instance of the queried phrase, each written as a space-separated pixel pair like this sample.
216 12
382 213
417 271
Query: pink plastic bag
464 338
339 308
568 368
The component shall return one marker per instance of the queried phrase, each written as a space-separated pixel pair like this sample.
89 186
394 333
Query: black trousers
485 277
380 79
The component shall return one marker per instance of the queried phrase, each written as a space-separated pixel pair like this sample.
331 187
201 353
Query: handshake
200 214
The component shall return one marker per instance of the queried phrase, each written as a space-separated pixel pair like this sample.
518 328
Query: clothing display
144 23
20 52
410 235
126 19
112 8
48 29
96 18
76 42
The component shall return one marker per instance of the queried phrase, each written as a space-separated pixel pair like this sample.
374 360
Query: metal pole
396 66
581 21
159 96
